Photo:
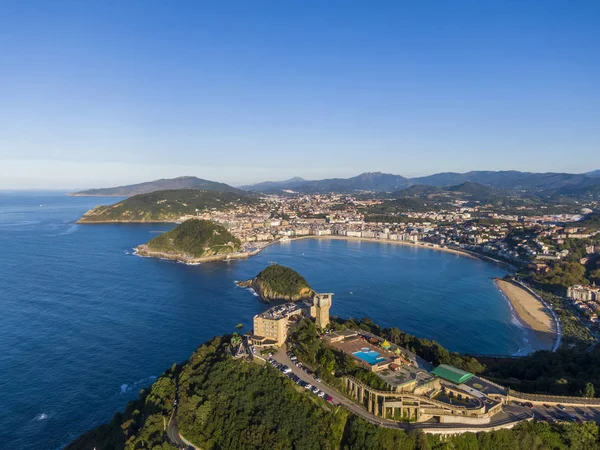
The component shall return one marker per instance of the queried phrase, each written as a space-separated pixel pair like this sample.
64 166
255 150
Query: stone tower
320 309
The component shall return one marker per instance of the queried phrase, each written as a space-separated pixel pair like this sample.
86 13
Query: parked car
321 394
308 386
286 369
561 407
328 397
529 405
547 406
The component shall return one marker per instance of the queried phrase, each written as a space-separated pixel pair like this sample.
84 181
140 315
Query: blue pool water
369 356
85 323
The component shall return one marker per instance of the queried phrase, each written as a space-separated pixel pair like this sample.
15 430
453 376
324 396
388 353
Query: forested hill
159 185
229 404
194 238
166 206
280 283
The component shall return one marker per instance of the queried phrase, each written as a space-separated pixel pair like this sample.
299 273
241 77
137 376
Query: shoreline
386 241
531 313
143 252
418 244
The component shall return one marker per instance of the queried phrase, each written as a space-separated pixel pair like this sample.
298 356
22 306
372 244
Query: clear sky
98 93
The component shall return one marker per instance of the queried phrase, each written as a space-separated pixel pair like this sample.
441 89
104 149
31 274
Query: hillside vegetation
194 238
227 404
165 206
280 283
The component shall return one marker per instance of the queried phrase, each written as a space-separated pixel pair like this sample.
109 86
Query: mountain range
512 180
546 184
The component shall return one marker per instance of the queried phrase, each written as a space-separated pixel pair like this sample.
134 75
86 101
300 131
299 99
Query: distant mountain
417 190
276 185
510 180
159 185
467 191
584 191
368 181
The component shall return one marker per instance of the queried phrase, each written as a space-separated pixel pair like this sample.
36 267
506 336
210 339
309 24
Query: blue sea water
84 323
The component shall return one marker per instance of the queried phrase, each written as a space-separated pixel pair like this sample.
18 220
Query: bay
85 324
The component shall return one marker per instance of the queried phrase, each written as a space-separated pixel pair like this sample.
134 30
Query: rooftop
451 373
281 311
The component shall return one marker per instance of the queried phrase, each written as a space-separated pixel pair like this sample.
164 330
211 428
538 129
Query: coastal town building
584 293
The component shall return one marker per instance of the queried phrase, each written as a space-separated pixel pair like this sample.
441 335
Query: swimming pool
369 356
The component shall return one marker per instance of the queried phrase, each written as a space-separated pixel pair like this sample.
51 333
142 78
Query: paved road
281 357
511 413
172 429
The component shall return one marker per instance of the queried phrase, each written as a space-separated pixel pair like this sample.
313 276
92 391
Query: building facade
271 327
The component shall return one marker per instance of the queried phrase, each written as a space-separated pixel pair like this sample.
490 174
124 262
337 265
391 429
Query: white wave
41 416
125 388
70 230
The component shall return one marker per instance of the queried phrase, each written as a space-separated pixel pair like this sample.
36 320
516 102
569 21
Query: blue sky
113 92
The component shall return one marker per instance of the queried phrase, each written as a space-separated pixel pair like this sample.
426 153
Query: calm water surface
84 324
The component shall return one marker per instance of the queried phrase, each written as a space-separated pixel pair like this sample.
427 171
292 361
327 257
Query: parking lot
310 385
555 414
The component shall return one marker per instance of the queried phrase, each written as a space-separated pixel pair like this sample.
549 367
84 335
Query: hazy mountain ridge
511 180
185 182
545 184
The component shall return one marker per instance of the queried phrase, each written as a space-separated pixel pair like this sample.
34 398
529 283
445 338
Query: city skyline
98 94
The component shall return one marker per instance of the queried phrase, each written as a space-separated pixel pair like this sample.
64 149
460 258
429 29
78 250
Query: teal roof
451 373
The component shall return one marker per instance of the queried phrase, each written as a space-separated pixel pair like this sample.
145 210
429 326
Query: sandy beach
531 312
387 241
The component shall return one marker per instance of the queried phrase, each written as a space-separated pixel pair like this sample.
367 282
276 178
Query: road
281 357
172 429
510 414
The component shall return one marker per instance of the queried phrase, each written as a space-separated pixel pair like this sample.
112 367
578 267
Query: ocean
85 324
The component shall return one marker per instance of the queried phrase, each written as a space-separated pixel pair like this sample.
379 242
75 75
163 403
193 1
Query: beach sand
531 312
387 241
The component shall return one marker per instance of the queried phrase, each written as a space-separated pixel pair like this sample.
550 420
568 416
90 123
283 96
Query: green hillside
228 404
194 238
166 206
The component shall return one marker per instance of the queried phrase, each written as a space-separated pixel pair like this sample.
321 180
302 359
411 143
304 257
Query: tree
589 390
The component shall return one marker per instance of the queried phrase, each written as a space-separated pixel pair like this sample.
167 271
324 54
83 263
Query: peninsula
279 283
167 206
194 241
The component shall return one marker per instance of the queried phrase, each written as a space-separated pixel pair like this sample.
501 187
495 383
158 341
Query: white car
308 386
321 394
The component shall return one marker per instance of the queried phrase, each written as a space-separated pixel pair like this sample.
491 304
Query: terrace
389 364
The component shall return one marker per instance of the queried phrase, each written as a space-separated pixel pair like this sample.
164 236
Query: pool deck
357 344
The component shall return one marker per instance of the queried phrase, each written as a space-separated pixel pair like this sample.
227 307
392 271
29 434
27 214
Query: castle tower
320 309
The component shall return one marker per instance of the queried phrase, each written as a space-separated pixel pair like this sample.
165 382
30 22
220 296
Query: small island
280 283
194 241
